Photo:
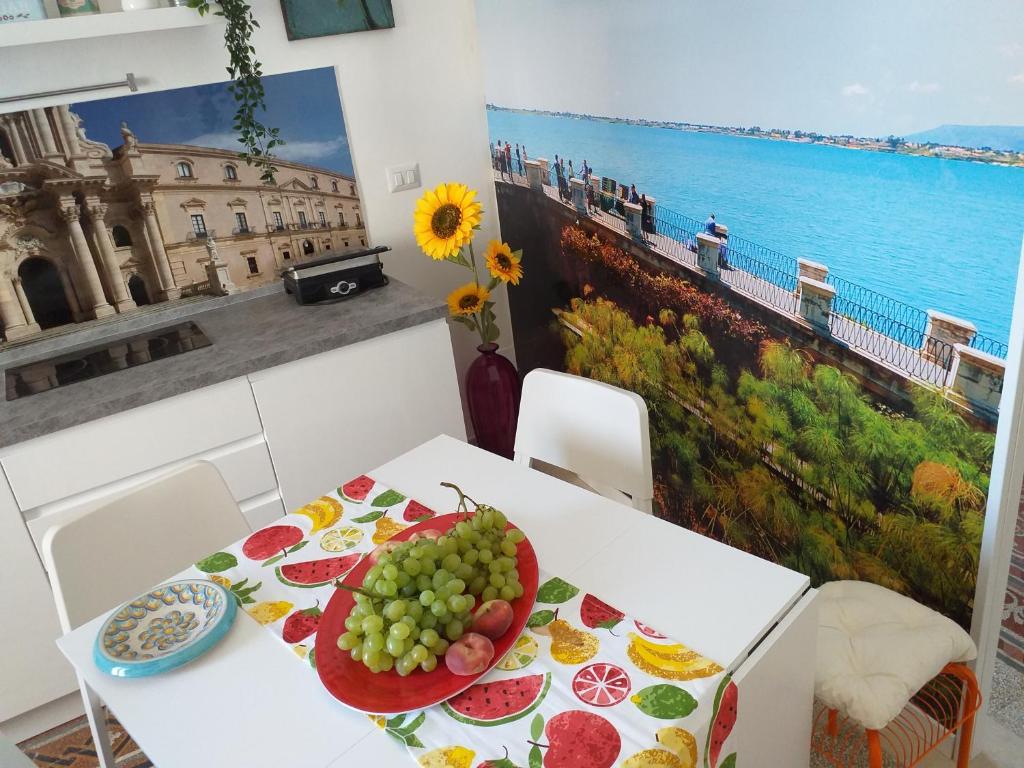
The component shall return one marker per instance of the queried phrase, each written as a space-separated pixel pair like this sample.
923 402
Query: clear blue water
935 234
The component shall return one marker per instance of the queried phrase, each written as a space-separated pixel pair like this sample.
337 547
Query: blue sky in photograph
870 68
305 105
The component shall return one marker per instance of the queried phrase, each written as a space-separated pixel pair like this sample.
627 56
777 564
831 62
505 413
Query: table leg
98 725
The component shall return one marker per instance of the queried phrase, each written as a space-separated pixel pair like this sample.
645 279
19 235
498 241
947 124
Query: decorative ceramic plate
385 693
165 628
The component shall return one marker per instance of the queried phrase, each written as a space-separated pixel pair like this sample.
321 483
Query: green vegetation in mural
788 459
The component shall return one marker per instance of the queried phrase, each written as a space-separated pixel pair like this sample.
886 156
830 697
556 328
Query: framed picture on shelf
319 18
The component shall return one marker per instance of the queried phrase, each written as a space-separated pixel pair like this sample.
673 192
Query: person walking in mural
710 226
572 173
525 158
508 159
519 160
646 220
502 162
634 198
591 202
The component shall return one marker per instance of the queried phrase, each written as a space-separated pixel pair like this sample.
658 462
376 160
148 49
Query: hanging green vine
246 86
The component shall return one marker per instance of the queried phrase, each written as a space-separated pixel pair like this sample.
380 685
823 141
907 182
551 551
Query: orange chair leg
874 750
967 728
833 723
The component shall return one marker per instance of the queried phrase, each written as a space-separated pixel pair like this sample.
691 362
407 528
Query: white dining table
251 703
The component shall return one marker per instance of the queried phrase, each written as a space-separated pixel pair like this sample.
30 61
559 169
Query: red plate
386 693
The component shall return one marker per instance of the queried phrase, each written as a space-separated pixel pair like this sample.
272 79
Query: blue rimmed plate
165 628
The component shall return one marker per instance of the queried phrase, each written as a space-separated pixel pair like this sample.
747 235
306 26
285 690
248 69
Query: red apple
469 655
493 618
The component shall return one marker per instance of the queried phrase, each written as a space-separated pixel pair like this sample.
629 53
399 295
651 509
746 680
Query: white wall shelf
101 25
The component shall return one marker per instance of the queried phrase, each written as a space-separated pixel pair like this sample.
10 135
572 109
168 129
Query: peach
386 548
493 618
469 655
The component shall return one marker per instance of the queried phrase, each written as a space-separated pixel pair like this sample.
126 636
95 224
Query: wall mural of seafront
823 361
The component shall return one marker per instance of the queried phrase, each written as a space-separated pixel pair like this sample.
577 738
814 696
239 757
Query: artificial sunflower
467 299
502 263
444 219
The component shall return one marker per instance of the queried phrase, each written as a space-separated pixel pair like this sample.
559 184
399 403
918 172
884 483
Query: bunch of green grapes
419 597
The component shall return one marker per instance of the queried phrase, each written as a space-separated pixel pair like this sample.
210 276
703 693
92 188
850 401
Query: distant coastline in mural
319 18
111 205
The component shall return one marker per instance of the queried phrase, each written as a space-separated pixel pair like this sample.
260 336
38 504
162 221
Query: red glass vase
492 391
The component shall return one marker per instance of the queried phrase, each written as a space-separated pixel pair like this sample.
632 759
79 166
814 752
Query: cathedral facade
87 231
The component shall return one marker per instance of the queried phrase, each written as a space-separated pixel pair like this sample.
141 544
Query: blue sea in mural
935 234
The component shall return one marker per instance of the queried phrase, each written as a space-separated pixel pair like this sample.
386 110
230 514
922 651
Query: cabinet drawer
82 458
261 512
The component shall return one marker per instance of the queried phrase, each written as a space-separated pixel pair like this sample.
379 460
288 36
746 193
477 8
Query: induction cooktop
110 357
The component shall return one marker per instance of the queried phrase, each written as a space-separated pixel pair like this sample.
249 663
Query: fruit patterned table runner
585 686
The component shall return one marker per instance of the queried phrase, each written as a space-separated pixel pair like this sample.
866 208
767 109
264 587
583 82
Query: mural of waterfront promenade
822 362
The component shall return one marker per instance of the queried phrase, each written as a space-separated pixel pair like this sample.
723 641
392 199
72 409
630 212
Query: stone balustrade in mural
929 347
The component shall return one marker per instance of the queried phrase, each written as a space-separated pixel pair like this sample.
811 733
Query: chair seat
877 648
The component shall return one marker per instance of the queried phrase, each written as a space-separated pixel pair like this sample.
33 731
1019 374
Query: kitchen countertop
250 332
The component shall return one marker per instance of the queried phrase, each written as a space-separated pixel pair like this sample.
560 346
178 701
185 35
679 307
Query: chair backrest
595 430
138 539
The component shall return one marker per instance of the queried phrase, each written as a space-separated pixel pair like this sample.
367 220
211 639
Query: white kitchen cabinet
69 472
34 671
329 417
279 437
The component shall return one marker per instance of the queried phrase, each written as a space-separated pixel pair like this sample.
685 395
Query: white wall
410 94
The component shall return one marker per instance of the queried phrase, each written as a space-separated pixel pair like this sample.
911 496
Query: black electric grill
336 276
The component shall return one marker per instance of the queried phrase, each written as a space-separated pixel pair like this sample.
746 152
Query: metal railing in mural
888 329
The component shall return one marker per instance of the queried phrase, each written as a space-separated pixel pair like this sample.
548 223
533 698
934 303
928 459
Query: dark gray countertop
250 332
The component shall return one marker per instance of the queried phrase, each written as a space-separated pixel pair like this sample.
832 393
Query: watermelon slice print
499 702
601 685
597 614
726 700
649 631
316 573
416 512
356 490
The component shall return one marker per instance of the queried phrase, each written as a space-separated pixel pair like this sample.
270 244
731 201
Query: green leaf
537 727
369 517
556 591
416 723
609 624
387 499
412 741
298 546
540 618
730 761
396 722
536 758
272 560
664 701
312 658
217 562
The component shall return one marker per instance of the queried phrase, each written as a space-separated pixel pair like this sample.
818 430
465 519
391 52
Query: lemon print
379 720
385 529
269 612
655 758
340 539
300 650
224 582
323 513
520 654
448 757
669 662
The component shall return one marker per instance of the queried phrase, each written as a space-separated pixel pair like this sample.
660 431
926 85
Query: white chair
132 542
595 431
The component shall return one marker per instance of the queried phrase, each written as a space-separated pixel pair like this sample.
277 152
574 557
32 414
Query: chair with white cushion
877 651
579 429
100 559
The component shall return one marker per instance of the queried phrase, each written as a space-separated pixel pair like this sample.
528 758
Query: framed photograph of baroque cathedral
111 205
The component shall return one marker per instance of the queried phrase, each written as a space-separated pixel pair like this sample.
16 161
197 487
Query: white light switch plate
402 177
